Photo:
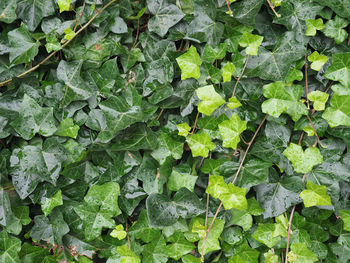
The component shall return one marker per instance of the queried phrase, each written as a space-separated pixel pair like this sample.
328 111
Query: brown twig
229 8
313 127
79 17
160 114
234 180
306 85
273 9
301 138
206 211
195 124
63 46
240 76
137 33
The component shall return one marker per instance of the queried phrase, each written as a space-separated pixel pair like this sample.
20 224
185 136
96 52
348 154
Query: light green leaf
210 99
345 216
283 99
181 176
52 43
231 129
230 195
210 53
313 25
189 63
265 234
339 70
227 71
64 5
50 203
183 128
334 29
315 195
303 161
8 11
339 112
319 98
124 255
212 243
317 60
233 103
34 119
251 43
69 34
245 254
301 254
270 257
22 47
9 248
179 246
67 128
118 232
200 144
277 2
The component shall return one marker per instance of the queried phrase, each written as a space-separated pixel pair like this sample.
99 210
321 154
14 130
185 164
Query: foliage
174 131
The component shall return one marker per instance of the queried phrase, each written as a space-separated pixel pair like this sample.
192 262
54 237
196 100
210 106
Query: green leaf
118 232
334 29
142 230
245 254
179 246
230 195
265 234
212 243
338 113
64 5
227 71
34 119
301 254
124 254
68 34
251 43
345 216
339 70
119 26
315 195
233 103
317 60
50 203
67 128
212 53
189 63
313 25
270 257
33 11
183 128
200 144
8 11
303 161
22 46
181 176
156 251
168 146
283 99
7 218
9 248
230 131
210 99
52 43
319 98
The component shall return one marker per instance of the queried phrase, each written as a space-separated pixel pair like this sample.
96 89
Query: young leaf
210 100
64 5
303 161
118 232
315 195
210 53
233 103
200 144
301 254
265 234
270 257
181 176
230 131
251 43
334 29
189 63
317 60
227 71
124 254
52 43
183 128
319 98
212 243
339 70
67 128
345 216
69 34
50 203
313 25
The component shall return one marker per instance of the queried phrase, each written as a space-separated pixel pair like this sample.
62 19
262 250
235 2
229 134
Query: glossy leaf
189 63
319 98
230 131
50 203
317 60
301 254
313 25
200 144
315 195
67 128
210 100
339 69
8 11
334 29
64 5
251 43
118 232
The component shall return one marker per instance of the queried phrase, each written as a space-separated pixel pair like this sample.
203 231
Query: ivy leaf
183 128
303 161
210 99
319 98
179 246
181 176
338 113
271 257
212 242
334 29
345 216
265 234
52 43
50 203
9 248
168 145
124 254
64 5
283 99
230 131
245 254
317 60
67 128
142 230
200 144
210 53
315 195
7 218
189 63
301 254
33 11
313 25
251 43
22 47
339 70
155 252
227 71
230 195
8 11
68 34
118 232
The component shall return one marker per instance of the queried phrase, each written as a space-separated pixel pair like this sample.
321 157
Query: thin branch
195 124
240 76
301 138
306 85
229 8
160 114
313 127
79 17
289 231
63 46
273 9
137 33
206 211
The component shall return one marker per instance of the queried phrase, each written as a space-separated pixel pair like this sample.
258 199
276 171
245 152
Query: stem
206 211
160 114
195 124
301 138
306 85
63 46
273 9
313 127
137 33
79 17
229 8
289 230
240 76
234 180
